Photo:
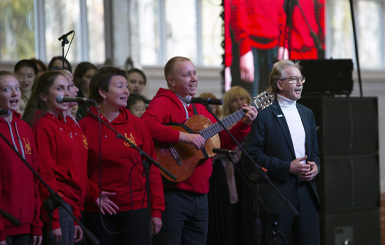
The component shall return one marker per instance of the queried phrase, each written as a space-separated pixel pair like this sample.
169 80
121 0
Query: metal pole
356 47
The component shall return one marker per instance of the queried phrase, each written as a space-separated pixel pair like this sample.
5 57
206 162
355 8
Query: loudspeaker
327 77
345 125
349 180
361 227
349 183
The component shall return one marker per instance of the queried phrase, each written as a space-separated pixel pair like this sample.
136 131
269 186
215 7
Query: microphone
5 112
10 218
189 99
65 35
61 99
223 151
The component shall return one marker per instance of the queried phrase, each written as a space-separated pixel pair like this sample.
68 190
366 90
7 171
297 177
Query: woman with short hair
123 176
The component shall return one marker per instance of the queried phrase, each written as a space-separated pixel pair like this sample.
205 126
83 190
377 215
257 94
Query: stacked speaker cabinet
349 179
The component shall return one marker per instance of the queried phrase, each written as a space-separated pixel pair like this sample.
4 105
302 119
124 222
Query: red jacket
228 42
122 169
81 145
58 164
259 24
302 45
18 187
164 108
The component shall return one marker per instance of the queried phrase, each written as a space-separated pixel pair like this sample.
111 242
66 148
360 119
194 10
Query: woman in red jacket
59 164
18 188
122 173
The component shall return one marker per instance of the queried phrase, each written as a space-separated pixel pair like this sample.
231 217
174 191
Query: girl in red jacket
18 188
59 164
80 140
122 174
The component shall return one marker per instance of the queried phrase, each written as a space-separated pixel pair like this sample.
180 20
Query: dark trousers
66 225
129 227
21 239
221 211
263 63
185 220
301 230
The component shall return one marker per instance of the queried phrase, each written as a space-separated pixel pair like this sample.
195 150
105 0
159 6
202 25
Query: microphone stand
53 201
255 191
63 43
10 218
290 4
356 47
258 171
317 41
253 179
146 167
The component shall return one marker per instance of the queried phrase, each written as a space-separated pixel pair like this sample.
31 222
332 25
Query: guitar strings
260 102
264 99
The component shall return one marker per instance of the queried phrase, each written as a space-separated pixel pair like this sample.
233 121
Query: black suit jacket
270 145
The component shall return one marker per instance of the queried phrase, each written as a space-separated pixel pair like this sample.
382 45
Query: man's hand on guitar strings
250 114
195 139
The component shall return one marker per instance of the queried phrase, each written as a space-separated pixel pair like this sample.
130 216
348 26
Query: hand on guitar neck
196 139
250 114
199 142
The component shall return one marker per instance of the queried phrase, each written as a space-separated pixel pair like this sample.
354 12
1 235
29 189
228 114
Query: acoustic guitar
182 158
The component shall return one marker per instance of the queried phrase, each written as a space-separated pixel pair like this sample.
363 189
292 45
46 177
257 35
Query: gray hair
278 72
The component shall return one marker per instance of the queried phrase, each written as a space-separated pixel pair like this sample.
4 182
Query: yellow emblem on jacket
131 139
27 147
85 143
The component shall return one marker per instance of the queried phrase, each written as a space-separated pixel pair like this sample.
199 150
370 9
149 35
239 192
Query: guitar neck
212 130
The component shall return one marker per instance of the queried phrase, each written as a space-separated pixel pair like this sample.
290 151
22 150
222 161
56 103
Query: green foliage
17 34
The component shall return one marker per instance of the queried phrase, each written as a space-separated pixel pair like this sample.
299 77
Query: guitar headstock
264 100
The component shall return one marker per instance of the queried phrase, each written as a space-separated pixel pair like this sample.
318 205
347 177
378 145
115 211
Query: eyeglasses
294 80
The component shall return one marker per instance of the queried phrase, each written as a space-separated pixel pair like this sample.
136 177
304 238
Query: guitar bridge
175 154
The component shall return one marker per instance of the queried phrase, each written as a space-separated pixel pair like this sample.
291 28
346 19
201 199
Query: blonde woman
227 188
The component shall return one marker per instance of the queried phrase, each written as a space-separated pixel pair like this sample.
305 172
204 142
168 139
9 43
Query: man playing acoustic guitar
185 220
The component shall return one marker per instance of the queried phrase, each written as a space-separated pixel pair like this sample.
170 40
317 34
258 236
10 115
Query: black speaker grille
350 126
349 183
327 76
358 227
346 125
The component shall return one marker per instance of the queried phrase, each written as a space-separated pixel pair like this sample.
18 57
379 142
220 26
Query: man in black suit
283 140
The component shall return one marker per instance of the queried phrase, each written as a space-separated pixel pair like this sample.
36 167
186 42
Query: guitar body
181 158
188 156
